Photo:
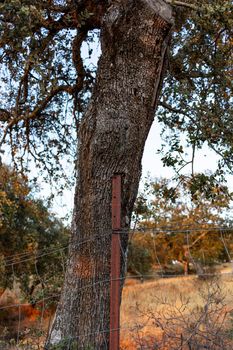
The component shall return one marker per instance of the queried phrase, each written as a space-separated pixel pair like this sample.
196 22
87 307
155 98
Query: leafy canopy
32 240
181 230
45 82
196 102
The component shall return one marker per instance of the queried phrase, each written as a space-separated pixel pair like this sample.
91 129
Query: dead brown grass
139 300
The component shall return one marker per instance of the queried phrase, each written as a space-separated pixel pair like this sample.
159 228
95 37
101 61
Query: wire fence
177 294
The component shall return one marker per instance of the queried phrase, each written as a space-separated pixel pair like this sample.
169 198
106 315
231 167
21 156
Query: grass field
165 313
179 313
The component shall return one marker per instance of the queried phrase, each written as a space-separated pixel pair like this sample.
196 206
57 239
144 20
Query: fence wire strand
12 261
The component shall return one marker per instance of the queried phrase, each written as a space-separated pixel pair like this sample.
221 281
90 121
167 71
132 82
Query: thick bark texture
134 37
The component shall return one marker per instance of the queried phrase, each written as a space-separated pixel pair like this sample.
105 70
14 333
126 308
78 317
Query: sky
206 160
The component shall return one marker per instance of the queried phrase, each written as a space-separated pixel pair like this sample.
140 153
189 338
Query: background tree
197 95
182 230
45 89
140 255
32 239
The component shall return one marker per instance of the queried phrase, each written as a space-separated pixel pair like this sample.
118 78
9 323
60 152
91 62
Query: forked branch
36 111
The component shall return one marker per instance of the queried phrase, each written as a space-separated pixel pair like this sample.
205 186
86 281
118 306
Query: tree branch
178 111
4 115
181 3
198 239
36 112
170 108
80 70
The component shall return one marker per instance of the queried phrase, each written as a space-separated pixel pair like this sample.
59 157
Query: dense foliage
32 240
179 230
46 80
196 103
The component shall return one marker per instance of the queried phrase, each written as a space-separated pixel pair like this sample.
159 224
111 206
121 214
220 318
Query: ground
151 313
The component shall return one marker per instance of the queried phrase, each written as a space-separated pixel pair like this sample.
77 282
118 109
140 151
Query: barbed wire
44 252
183 230
30 255
146 277
159 275
34 257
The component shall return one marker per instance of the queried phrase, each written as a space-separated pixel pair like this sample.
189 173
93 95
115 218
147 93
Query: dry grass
142 301
155 297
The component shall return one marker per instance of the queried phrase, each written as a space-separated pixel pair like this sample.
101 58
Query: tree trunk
186 267
134 38
186 259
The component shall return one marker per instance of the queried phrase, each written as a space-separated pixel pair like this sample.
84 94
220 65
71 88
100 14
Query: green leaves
207 186
83 17
140 258
181 217
197 93
39 54
28 230
37 83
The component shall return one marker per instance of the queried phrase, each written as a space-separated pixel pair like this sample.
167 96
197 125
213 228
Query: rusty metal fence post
115 265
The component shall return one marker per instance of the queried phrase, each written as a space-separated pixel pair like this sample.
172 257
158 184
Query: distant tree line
32 239
169 228
183 231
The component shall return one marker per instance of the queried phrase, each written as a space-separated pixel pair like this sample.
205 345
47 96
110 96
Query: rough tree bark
134 39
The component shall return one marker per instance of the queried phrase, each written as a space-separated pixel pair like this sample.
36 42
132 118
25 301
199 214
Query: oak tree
172 227
46 103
